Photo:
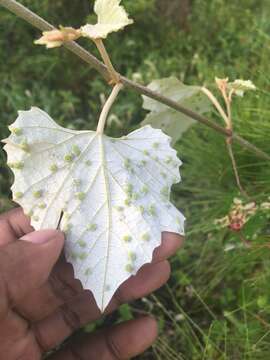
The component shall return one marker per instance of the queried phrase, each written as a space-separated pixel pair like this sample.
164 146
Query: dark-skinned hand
41 304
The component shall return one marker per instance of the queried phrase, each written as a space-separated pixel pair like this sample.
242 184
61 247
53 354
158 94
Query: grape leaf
113 193
171 121
111 17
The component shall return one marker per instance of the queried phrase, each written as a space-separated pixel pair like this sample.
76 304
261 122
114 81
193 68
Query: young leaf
239 87
56 38
113 194
170 121
111 17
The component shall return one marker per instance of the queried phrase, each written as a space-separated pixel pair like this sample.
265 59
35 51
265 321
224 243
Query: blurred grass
216 305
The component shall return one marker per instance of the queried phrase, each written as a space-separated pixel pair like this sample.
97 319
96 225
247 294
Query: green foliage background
216 305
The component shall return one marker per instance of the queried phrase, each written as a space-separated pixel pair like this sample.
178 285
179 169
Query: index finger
171 242
13 225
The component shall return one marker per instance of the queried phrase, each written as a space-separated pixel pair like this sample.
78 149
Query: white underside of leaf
111 17
100 31
114 194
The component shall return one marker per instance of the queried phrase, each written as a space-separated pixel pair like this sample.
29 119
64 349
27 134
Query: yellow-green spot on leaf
132 256
141 209
92 227
88 162
88 272
165 192
67 216
16 131
145 190
36 218
156 145
77 182
164 175
146 152
37 194
146 237
127 238
127 202
67 227
120 208
53 168
129 189
42 205
25 146
152 210
76 150
19 165
74 256
143 163
83 256
135 196
168 160
18 195
68 158
127 163
30 213
82 243
129 268
80 196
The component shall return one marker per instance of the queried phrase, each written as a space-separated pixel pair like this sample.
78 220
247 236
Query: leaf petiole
115 77
217 105
107 107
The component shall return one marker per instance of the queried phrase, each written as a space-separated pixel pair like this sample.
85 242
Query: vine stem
107 107
41 24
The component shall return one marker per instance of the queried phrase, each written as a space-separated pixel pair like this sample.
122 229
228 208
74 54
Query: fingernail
41 236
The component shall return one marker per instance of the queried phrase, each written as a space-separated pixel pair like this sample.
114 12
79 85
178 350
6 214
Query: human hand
41 303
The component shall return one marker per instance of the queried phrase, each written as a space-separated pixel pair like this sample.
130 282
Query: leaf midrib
109 210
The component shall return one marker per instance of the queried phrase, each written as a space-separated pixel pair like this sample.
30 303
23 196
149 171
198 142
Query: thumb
26 264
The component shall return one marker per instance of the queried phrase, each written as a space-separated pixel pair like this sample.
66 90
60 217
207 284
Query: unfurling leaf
239 87
171 121
56 38
113 194
111 17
